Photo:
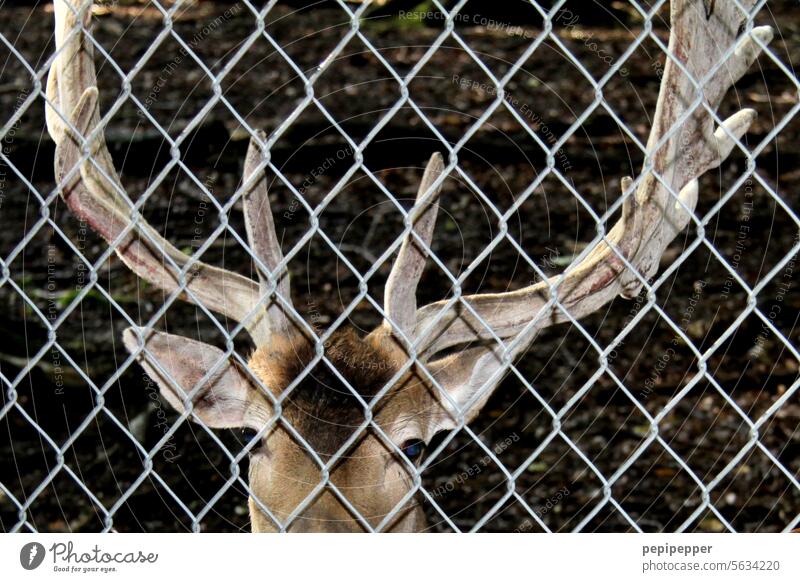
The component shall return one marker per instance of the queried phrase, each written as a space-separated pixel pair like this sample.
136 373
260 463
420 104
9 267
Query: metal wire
36 98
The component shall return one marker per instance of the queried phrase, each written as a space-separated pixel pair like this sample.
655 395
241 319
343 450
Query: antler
96 195
261 233
682 146
400 295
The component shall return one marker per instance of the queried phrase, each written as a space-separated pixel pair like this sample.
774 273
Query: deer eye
248 436
413 449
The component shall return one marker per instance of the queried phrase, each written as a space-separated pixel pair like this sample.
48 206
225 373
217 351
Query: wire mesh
703 497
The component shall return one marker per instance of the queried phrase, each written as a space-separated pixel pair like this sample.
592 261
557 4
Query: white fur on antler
683 145
706 57
95 193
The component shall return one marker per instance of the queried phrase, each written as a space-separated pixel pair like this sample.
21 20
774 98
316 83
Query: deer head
341 420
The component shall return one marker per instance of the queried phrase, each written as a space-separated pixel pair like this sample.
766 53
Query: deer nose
327 514
321 523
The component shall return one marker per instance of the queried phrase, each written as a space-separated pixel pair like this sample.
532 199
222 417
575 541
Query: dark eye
248 436
413 449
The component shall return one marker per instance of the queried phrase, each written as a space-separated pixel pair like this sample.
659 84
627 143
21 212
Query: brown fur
324 409
326 414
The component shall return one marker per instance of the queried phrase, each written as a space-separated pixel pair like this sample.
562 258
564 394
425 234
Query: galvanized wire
508 349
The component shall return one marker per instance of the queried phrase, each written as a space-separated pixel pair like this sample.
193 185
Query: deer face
372 475
375 472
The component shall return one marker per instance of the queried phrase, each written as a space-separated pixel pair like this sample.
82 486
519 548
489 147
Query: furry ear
223 399
469 377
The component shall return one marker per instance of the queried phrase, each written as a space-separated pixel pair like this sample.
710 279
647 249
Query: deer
340 448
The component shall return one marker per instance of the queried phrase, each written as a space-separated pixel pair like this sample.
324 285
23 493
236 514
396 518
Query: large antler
706 60
682 146
95 193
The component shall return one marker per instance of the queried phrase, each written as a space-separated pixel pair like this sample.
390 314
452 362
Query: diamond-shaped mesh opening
359 89
657 369
631 92
542 103
469 482
177 89
608 518
111 452
196 484
606 426
751 250
304 30
151 504
55 394
656 491
566 370
754 366
24 220
41 294
558 469
705 430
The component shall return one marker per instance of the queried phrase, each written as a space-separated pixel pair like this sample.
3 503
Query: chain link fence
676 411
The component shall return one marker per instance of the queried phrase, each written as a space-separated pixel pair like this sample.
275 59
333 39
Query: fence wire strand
698 238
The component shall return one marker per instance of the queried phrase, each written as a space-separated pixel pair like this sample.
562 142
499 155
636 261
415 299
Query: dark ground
750 367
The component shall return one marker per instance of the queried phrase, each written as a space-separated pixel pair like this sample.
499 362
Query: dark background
748 372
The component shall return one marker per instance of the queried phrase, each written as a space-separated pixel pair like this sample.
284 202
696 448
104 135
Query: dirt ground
570 479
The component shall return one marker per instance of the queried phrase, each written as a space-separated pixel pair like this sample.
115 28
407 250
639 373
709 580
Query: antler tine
96 194
261 233
400 294
682 146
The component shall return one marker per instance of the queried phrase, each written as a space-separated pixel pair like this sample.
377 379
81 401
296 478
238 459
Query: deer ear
223 399
469 378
